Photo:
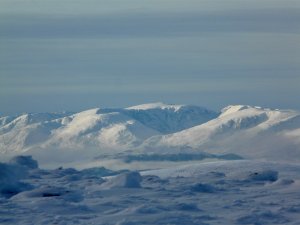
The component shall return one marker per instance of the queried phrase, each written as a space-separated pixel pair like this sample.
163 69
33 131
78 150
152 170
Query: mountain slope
170 118
117 129
245 130
167 118
249 132
91 128
20 132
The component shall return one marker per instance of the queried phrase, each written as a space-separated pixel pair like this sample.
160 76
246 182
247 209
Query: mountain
17 133
167 118
155 128
92 128
170 118
102 129
248 131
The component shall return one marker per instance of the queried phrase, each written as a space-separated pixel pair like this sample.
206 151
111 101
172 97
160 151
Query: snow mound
10 179
51 192
263 217
283 182
26 161
227 192
205 188
98 172
124 180
265 175
187 207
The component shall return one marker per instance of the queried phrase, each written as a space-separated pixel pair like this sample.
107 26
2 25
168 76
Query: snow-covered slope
91 128
167 118
77 131
170 118
232 192
188 166
109 129
20 132
245 130
249 132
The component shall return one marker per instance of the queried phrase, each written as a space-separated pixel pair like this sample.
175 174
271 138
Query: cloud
156 24
195 51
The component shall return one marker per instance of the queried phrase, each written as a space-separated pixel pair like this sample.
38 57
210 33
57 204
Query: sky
58 55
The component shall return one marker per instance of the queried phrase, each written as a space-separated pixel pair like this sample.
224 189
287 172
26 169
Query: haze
72 55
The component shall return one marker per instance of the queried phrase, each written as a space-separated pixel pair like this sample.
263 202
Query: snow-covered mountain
170 118
97 128
250 132
92 128
17 133
245 130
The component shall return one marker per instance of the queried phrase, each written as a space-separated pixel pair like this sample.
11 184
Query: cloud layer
200 52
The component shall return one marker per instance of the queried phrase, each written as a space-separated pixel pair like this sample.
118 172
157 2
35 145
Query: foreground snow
223 192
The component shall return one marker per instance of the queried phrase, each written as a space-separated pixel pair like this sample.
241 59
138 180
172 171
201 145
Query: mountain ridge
156 127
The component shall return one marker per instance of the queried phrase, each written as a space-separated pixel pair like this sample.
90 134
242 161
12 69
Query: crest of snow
157 105
6 119
233 109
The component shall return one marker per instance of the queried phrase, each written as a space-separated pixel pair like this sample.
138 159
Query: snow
156 105
151 164
124 180
92 128
49 192
26 161
102 129
293 135
170 118
231 192
10 179
233 109
246 131
155 128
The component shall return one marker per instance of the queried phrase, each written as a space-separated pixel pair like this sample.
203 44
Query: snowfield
224 192
151 164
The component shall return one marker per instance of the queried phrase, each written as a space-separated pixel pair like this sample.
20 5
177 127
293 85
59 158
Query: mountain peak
155 105
236 108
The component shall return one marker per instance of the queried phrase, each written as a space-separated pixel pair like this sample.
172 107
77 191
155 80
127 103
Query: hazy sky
76 54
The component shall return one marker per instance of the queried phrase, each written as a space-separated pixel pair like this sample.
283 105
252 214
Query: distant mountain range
157 128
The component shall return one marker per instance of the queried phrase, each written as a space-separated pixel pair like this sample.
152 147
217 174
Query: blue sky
71 55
